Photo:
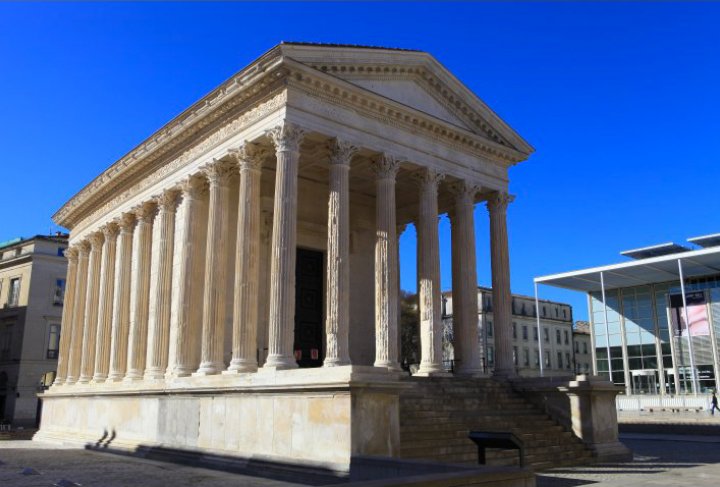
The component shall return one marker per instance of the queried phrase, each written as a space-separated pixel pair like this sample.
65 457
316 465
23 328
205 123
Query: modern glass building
655 319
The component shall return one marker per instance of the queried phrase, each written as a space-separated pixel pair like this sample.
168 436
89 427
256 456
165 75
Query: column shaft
97 250
121 300
386 278
464 281
215 291
338 257
502 297
78 321
105 313
429 275
159 323
247 261
140 299
71 254
191 280
287 140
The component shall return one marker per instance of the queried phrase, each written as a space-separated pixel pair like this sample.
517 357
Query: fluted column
215 292
464 280
338 256
121 300
286 138
78 317
502 297
92 300
140 298
247 260
429 274
105 312
192 272
159 323
386 264
71 254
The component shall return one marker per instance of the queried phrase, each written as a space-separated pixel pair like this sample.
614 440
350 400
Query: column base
115 378
387 364
432 370
98 379
84 380
278 362
336 362
133 377
241 367
209 368
180 372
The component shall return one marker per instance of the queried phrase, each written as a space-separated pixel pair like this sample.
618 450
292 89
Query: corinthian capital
110 231
499 201
126 222
193 187
96 240
145 212
71 253
218 172
341 152
428 178
250 156
168 200
464 191
286 137
386 166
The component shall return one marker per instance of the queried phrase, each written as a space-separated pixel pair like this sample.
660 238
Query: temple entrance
309 289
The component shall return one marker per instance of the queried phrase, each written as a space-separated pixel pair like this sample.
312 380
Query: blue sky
621 102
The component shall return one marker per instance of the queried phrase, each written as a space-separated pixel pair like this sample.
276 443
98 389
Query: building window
564 313
535 334
585 349
14 292
59 294
491 356
559 363
558 339
544 311
577 347
557 314
546 334
53 341
568 362
567 339
537 358
547 359
526 357
515 355
514 331
489 329
525 332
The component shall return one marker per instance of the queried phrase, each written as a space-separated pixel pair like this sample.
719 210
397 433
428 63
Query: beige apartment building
32 288
555 346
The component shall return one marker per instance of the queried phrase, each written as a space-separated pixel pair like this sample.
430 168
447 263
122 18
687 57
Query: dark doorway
309 287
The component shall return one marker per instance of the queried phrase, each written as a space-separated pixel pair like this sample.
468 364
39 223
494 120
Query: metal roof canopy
695 263
655 250
706 240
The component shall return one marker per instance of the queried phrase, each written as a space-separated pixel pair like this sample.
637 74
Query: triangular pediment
412 78
409 93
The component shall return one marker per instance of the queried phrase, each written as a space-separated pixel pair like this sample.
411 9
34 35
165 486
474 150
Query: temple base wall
319 423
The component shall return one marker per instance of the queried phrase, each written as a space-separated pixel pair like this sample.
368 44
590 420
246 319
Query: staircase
436 415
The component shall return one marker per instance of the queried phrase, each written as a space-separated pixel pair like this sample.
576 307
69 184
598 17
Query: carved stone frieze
65 215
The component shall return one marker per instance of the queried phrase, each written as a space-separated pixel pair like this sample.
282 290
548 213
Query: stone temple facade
233 280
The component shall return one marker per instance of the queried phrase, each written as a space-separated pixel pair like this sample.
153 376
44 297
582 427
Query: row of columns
109 333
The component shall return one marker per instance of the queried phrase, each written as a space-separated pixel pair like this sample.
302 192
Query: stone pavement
54 464
660 460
